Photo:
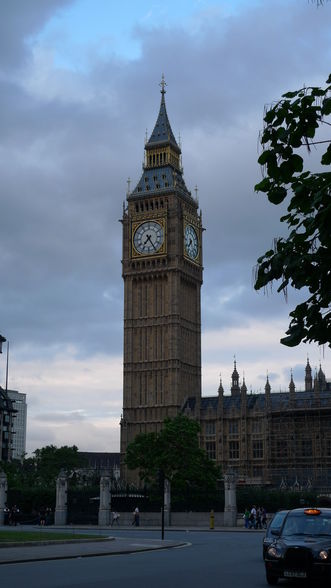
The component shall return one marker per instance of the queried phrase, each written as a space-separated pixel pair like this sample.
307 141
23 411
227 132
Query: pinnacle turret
162 168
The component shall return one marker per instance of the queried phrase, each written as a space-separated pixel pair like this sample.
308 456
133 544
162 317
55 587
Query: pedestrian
115 518
6 511
42 516
258 518
48 515
264 517
252 518
136 518
14 514
246 517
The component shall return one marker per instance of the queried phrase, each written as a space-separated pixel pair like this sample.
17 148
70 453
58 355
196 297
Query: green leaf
326 158
326 107
277 195
296 163
264 157
290 94
263 186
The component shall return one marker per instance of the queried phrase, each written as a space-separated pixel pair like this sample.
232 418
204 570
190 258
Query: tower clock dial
148 237
191 242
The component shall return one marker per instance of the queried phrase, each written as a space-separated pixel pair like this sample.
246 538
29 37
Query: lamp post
2 340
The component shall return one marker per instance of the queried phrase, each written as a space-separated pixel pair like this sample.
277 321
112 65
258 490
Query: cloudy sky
79 87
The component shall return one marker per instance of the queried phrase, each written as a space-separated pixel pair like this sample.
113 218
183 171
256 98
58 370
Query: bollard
212 519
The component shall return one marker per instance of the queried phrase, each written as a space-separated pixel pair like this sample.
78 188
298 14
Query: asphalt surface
108 545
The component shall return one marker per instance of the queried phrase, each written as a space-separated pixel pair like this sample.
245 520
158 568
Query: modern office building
19 423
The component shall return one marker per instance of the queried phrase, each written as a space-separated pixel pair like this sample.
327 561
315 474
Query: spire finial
163 85
128 181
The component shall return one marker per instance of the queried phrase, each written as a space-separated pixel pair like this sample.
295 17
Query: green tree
50 460
43 469
174 452
301 260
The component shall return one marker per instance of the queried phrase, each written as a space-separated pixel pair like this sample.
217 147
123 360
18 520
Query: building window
256 426
211 449
257 472
306 448
233 428
281 449
328 447
234 450
258 449
210 428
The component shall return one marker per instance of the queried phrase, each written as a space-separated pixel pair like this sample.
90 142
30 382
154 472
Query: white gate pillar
61 508
230 500
105 501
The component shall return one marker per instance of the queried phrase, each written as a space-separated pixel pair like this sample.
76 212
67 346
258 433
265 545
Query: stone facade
278 439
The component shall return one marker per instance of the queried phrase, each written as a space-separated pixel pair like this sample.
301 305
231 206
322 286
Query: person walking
136 517
115 518
246 517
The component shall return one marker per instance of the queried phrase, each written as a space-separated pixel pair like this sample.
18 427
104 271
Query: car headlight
274 552
323 555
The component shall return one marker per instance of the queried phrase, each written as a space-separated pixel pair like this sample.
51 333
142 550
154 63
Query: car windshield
276 522
302 524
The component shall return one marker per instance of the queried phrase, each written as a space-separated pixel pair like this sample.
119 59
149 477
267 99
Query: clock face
191 242
148 237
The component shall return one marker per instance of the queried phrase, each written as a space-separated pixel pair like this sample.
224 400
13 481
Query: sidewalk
102 546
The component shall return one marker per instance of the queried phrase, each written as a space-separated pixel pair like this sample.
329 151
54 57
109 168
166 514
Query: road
212 559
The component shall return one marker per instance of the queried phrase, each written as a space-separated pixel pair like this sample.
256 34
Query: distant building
7 414
19 423
277 439
103 462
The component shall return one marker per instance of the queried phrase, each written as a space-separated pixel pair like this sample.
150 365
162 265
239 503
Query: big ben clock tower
162 273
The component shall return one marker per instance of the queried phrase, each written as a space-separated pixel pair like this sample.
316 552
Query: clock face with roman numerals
148 237
191 242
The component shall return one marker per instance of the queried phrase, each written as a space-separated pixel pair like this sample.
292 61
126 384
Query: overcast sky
79 87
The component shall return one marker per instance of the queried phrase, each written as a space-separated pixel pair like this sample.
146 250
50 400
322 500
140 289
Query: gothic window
211 449
233 428
256 426
210 428
258 449
328 447
281 449
257 472
234 450
306 448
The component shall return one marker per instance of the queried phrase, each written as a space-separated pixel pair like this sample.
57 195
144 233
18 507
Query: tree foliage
303 259
43 469
174 452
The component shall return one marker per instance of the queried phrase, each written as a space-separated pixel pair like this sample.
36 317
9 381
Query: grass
23 536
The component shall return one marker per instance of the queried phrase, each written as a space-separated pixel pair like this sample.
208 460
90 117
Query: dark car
302 548
273 529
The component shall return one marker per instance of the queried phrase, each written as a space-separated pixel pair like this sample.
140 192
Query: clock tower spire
162 273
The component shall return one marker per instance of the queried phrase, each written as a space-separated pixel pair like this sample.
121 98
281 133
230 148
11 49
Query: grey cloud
61 417
19 20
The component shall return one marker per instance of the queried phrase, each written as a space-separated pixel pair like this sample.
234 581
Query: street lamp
2 340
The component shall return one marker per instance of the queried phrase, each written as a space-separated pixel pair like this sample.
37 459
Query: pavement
101 546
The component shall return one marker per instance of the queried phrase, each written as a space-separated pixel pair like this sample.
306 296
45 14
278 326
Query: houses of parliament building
279 439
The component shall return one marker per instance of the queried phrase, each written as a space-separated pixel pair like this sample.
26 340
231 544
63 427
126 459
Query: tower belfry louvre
162 273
